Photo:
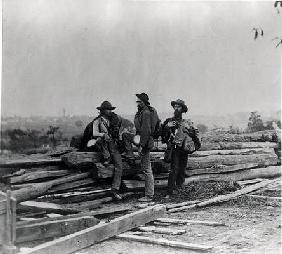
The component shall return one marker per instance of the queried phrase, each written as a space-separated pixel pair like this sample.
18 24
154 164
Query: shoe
145 199
116 196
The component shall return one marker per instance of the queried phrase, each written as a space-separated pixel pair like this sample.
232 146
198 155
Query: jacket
113 128
145 126
186 127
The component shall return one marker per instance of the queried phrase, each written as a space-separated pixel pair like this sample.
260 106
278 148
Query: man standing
103 134
182 139
146 121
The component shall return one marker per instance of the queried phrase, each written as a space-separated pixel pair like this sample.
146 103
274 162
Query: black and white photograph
140 126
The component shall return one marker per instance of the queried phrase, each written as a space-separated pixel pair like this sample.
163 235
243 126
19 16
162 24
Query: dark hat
106 105
143 97
181 103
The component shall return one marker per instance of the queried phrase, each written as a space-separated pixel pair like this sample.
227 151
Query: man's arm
96 130
145 129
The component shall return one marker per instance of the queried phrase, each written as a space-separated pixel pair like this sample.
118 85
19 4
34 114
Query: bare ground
252 226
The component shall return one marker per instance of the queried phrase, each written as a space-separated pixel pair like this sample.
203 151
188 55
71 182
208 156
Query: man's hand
140 150
171 124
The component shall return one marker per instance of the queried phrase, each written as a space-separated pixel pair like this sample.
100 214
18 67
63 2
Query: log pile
75 183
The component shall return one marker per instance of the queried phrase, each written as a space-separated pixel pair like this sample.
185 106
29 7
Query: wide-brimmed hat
106 105
181 103
143 97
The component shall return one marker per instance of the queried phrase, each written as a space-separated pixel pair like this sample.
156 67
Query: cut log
164 242
71 185
160 230
98 233
40 189
91 204
214 160
221 169
37 175
48 207
179 221
242 137
223 198
55 228
235 145
29 163
244 151
269 172
81 159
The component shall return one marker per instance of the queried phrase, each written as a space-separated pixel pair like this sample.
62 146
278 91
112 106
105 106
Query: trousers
177 169
117 160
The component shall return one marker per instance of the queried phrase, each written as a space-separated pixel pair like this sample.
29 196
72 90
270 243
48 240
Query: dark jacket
115 124
145 122
187 127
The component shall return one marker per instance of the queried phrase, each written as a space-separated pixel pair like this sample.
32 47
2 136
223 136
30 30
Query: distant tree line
18 140
256 123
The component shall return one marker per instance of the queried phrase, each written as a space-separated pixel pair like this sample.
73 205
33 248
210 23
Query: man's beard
177 113
139 107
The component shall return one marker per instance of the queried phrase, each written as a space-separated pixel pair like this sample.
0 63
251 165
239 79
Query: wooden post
10 225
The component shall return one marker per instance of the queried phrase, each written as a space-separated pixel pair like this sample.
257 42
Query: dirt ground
251 226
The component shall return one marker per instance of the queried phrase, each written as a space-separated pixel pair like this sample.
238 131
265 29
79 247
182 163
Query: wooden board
29 163
53 228
27 177
45 206
98 233
164 242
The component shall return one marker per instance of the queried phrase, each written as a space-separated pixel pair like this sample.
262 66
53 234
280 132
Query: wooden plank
164 242
29 163
269 172
179 221
223 198
182 204
37 176
98 233
54 228
10 227
71 185
264 197
161 230
98 212
45 206
91 204
39 189
221 169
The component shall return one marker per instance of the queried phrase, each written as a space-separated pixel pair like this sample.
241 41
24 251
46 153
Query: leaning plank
264 197
165 242
223 198
98 233
55 228
182 204
179 221
37 175
44 206
161 230
29 163
40 189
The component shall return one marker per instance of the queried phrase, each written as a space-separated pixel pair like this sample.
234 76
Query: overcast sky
74 54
